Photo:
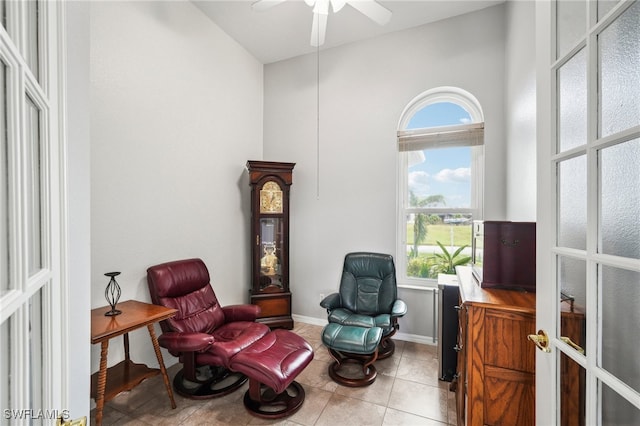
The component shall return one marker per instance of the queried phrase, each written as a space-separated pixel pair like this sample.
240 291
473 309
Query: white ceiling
284 30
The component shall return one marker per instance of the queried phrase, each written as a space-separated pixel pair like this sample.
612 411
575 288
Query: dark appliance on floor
448 300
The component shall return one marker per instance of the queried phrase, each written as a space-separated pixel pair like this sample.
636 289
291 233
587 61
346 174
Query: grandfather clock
270 183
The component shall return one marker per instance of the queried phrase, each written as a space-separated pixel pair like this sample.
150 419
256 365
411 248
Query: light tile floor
406 392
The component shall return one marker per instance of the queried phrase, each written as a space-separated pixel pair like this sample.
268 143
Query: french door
588 259
31 214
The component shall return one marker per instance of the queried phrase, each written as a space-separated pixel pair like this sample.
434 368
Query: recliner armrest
331 302
399 308
243 312
185 342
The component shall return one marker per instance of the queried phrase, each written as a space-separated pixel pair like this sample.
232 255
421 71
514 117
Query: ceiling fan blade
372 10
261 5
336 5
318 29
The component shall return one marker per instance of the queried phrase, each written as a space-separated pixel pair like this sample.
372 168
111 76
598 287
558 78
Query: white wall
176 111
520 111
364 88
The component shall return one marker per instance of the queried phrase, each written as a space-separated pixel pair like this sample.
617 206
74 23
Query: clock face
271 198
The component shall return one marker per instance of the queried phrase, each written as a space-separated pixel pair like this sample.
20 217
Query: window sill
430 285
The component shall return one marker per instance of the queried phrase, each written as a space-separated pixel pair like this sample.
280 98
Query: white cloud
462 174
465 120
419 183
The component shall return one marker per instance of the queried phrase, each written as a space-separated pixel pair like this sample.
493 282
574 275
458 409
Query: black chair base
218 382
386 348
262 401
364 360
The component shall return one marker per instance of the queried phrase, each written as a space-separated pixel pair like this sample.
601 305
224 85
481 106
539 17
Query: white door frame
44 85
547 376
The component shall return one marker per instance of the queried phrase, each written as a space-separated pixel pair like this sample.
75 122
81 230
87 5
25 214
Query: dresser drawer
505 337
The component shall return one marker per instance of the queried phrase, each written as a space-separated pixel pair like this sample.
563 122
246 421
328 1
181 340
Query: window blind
441 137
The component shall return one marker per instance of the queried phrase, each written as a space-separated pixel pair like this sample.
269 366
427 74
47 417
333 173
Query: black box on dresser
504 254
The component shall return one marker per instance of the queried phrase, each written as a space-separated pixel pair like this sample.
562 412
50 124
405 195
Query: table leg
125 338
102 381
163 370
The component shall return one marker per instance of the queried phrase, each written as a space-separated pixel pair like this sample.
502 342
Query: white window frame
436 137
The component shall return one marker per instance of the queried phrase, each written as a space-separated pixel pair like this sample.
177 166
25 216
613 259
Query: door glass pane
4 186
5 364
271 239
572 392
36 356
572 203
620 199
620 322
604 6
572 103
34 195
32 55
616 410
573 288
571 21
619 62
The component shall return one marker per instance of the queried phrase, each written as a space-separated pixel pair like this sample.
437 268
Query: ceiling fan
370 8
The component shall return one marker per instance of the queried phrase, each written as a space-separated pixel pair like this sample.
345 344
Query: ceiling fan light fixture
369 8
321 7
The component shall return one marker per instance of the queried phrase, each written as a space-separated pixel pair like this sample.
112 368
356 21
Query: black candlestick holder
112 294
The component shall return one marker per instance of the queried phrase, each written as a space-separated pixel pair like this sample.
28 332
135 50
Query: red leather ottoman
272 363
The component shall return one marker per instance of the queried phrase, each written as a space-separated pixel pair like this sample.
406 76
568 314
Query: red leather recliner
203 334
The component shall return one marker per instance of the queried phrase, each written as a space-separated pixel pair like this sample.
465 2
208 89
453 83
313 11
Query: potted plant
445 262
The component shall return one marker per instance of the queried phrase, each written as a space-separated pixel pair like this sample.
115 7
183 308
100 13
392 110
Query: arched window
440 145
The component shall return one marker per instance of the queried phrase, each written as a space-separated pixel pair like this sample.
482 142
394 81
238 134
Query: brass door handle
570 342
541 340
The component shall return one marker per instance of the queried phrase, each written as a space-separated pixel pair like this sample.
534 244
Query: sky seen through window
444 171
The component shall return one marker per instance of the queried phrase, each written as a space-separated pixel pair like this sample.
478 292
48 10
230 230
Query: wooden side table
125 375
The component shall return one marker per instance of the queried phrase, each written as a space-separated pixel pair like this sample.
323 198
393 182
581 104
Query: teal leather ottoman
352 344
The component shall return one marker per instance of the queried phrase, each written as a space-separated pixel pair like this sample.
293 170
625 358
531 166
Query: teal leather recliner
368 297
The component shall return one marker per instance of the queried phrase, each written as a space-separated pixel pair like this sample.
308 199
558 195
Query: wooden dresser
495 382
496 364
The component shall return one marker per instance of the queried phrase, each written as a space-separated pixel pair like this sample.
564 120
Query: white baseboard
309 320
427 340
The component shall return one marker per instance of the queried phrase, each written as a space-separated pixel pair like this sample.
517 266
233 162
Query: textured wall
364 87
176 111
